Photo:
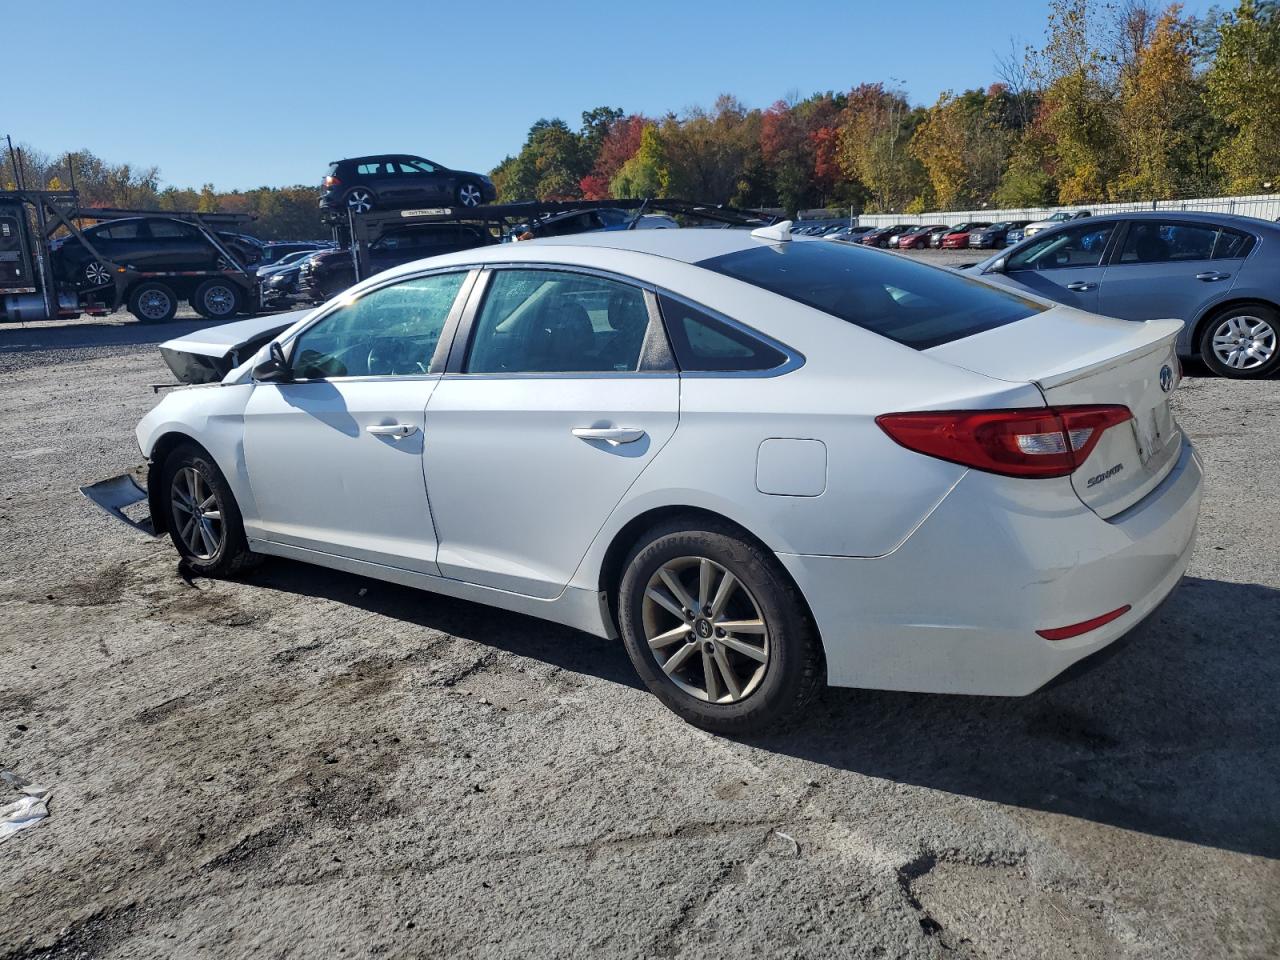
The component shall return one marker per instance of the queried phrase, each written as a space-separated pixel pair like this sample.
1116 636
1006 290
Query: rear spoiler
1146 338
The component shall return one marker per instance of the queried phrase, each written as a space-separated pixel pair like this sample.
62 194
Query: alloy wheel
469 195
1244 342
360 201
197 513
97 275
705 630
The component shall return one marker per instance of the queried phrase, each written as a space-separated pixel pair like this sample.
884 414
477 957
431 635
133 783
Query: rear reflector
1036 443
1066 633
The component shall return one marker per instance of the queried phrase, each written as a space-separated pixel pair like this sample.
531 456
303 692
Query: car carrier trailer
30 288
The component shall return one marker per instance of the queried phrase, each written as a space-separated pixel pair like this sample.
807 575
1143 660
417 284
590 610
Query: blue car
1218 272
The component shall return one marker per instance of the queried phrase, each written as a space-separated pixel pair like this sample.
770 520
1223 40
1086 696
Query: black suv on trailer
395 180
330 272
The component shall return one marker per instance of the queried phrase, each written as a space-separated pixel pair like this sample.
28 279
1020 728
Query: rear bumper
956 607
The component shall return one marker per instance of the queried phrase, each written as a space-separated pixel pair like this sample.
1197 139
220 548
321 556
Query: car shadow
1173 731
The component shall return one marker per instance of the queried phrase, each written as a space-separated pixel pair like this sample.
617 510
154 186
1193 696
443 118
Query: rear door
1164 269
542 424
1065 265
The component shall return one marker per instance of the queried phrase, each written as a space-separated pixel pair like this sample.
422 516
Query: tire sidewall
1205 345
785 673
373 198
136 296
199 305
233 540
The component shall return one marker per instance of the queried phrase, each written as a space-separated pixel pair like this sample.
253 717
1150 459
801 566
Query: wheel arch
1213 310
634 530
164 445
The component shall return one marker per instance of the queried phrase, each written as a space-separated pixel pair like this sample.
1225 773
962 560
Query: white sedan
766 464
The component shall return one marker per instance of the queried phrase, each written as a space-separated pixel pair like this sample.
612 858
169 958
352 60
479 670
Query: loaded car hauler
33 287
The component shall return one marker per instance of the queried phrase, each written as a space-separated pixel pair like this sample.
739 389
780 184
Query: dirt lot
311 764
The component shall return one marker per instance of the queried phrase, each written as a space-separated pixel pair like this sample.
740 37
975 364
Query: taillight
1036 443
332 182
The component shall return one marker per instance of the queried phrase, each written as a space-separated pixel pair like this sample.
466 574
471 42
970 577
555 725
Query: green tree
646 173
1243 88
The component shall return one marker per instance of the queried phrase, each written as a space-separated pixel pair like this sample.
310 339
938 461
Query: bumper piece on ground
118 494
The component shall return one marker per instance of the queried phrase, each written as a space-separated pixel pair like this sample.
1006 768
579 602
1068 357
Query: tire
94 275
360 200
469 194
217 300
190 476
153 302
1242 342
771 692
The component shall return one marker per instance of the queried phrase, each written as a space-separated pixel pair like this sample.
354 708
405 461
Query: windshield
916 305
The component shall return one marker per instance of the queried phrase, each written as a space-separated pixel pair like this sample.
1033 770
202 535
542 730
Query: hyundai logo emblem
1166 378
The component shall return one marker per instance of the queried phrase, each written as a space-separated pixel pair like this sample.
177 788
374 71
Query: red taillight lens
332 182
1036 443
1077 629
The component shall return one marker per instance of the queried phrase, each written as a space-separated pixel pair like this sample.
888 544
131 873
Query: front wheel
717 631
469 194
204 521
1241 342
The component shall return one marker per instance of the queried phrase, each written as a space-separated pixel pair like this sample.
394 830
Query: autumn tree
645 173
620 143
875 130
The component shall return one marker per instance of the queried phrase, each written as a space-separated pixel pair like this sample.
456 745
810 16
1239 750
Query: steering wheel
390 357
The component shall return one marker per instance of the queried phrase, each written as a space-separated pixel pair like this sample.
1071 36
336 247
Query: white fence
1266 206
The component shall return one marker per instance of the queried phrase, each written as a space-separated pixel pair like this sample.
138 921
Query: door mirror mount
275 369
998 265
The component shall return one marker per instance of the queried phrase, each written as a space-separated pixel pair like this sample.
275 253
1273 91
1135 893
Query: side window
547 321
1080 246
372 169
1150 241
415 166
703 343
1232 245
125 230
170 228
391 331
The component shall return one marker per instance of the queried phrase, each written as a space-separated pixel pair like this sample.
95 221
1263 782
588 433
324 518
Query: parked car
283 263
892 242
1062 216
276 251
957 238
329 272
1015 235
283 286
918 239
563 452
582 221
1217 272
879 237
994 235
850 234
396 180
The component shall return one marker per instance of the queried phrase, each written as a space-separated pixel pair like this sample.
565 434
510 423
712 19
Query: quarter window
1232 245
548 321
1080 246
391 331
701 342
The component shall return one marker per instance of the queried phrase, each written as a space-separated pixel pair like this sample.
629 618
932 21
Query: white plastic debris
25 811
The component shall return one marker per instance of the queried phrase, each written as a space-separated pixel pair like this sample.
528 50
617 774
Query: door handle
396 431
1079 286
611 435
1212 275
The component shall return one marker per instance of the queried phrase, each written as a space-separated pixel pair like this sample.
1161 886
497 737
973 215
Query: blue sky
243 94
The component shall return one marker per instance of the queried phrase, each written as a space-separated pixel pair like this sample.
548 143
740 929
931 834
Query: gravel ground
307 763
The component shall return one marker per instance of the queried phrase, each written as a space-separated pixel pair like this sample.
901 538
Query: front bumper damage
119 497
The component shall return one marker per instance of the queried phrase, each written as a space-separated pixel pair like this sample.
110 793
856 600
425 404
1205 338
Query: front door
335 458
1065 265
547 423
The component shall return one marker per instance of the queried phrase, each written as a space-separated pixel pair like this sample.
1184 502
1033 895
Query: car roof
1192 216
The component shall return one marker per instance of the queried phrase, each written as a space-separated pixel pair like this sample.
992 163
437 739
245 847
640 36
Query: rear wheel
1242 342
204 521
717 631
217 300
153 302
360 200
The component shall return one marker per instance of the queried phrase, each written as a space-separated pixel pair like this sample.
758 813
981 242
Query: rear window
906 301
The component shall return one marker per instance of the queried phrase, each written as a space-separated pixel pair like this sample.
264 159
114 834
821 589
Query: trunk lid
1077 358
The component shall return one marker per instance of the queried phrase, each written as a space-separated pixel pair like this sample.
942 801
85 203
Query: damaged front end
208 355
